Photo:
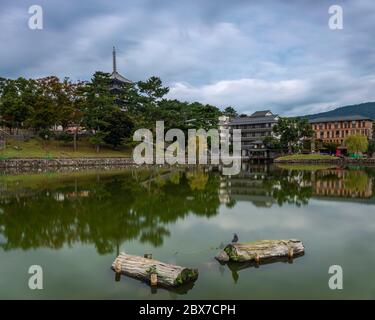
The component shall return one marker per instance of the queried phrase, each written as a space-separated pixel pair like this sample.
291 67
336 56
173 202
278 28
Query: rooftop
257 117
263 113
116 76
339 118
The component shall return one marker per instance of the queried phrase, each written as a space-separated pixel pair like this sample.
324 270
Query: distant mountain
364 109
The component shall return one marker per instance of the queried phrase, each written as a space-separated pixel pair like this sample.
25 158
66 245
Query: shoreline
81 162
42 164
362 162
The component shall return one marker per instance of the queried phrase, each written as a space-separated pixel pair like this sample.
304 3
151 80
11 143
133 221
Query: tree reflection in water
107 210
264 186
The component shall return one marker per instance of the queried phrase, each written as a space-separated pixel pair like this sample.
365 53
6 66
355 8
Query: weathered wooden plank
168 275
262 249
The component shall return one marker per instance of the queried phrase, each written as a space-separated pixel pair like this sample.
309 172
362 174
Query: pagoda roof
116 76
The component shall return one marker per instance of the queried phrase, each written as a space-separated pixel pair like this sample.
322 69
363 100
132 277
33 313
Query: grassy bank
37 148
306 157
305 167
60 179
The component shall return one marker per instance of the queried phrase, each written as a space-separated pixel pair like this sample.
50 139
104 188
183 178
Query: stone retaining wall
64 162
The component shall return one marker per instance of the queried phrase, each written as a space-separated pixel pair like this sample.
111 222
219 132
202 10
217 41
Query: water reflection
108 209
105 211
235 267
266 186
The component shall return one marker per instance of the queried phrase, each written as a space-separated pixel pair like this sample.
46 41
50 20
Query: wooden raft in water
167 275
261 250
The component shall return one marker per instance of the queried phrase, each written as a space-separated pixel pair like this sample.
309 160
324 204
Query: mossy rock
187 275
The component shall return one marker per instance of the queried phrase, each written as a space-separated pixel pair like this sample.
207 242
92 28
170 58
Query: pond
74 224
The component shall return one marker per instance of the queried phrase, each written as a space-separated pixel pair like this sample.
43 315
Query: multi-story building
224 127
254 129
337 129
249 185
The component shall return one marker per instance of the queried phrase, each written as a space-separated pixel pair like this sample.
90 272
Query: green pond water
74 224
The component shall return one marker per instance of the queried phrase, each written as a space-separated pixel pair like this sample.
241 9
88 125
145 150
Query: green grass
36 148
59 179
305 167
307 157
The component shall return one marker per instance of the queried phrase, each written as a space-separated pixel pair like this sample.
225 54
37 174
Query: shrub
46 134
64 136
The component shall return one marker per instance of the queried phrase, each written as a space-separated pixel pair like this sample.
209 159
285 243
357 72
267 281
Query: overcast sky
252 55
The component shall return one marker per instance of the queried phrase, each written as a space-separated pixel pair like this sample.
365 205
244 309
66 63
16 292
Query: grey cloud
249 54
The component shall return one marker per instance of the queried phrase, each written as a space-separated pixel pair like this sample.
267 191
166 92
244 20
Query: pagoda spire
115 76
114 59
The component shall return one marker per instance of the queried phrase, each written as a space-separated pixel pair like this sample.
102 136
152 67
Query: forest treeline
108 117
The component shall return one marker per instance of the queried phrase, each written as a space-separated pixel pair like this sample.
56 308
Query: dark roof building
339 118
254 129
257 117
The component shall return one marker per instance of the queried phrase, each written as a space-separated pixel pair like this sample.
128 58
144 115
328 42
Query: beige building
337 129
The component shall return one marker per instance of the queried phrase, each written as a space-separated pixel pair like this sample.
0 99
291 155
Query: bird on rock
235 238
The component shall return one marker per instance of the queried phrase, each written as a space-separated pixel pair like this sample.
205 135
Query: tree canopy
356 143
292 131
110 118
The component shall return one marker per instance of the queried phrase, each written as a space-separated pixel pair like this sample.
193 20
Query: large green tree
100 103
153 88
356 143
292 131
230 112
16 98
371 148
120 126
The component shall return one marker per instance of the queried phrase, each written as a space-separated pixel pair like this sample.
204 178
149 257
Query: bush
64 136
46 134
371 149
